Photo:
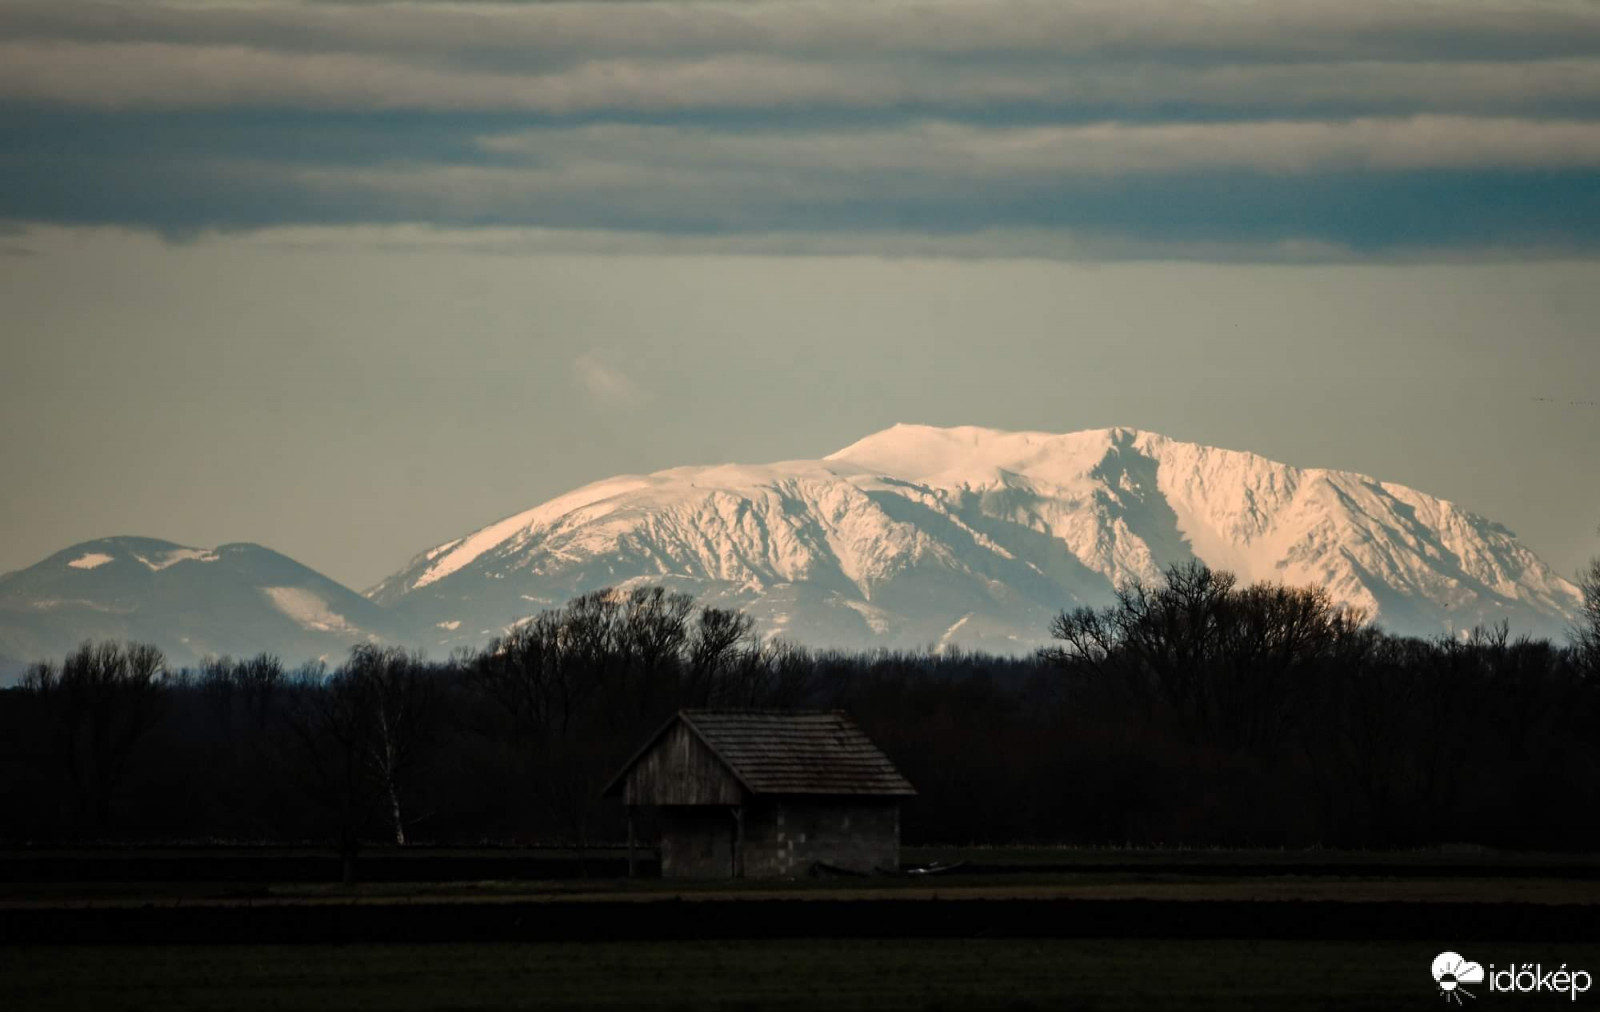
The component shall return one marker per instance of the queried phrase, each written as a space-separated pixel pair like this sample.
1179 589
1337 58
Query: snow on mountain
914 536
237 599
929 536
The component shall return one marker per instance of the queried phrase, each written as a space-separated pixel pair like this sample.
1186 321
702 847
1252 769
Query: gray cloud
612 153
165 75
622 176
1228 30
601 378
564 58
1300 129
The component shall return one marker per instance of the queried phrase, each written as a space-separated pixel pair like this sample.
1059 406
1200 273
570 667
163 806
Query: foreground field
186 871
1106 975
1019 928
273 876
1352 888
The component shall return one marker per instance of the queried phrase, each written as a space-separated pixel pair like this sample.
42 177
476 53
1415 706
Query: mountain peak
971 454
237 599
152 554
924 534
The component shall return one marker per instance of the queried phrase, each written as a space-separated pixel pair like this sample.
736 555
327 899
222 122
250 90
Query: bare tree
106 697
714 647
216 687
1216 657
328 719
259 681
399 700
1587 632
541 675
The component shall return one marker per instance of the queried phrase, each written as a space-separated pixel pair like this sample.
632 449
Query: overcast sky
350 279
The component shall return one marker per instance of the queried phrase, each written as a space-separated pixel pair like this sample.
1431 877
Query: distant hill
235 599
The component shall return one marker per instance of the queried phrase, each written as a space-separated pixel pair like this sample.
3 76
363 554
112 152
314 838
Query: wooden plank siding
680 770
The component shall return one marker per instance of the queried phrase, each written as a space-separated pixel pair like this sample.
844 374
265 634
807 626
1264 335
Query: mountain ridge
912 536
1060 518
237 598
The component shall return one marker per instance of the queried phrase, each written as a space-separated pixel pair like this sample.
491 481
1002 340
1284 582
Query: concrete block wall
785 837
697 842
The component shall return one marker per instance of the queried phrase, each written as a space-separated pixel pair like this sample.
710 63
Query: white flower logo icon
1450 971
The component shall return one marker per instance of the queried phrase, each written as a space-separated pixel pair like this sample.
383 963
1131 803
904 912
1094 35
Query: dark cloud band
1371 128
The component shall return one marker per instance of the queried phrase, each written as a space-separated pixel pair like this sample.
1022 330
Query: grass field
1353 888
1252 921
1441 858
266 875
799 974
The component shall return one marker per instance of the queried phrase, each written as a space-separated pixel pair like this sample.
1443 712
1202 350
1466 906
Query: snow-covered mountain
919 535
913 536
236 599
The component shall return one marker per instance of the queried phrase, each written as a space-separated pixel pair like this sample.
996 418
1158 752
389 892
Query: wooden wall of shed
680 770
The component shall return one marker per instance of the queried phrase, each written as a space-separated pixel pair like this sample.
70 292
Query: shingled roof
788 752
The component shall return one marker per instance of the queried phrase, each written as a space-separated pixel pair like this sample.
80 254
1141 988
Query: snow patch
93 560
172 558
309 610
944 641
466 550
877 619
53 603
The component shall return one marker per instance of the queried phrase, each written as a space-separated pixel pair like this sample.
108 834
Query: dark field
307 864
1014 928
235 864
801 974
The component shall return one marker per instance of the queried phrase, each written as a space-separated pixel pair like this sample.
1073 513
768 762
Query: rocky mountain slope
919 535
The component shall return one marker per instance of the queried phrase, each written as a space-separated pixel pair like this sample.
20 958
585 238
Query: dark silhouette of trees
1194 711
1587 633
258 682
398 698
329 722
99 704
1220 659
361 735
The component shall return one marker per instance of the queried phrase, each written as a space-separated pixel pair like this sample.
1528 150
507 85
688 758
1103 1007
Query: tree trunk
394 809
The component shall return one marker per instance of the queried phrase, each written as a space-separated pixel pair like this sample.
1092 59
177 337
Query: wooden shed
766 794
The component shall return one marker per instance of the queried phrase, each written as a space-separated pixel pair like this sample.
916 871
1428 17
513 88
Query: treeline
1196 712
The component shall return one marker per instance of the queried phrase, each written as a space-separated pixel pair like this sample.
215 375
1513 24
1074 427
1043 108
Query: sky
352 279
